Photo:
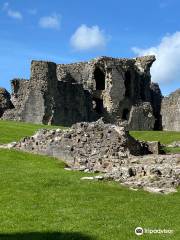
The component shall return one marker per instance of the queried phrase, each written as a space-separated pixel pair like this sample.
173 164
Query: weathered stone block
153 147
141 117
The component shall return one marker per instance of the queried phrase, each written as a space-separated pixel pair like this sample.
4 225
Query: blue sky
67 31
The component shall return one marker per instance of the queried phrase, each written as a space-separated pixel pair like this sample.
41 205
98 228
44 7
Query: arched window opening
100 79
125 114
127 84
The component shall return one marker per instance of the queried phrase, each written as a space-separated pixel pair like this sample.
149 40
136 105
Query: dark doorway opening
100 79
125 114
127 84
98 105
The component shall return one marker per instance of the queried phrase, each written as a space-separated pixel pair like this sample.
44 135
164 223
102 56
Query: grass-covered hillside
39 200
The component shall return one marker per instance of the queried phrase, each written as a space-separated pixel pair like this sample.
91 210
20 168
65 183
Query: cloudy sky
68 31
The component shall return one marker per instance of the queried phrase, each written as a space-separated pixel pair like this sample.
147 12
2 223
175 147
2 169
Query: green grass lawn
172 149
39 200
14 131
164 137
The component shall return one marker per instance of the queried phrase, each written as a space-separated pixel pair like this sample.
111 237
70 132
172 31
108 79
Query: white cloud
14 14
86 38
166 68
53 22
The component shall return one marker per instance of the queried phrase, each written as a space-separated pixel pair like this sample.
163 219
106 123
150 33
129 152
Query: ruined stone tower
113 88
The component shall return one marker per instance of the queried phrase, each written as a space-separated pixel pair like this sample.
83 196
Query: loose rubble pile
93 146
154 173
109 149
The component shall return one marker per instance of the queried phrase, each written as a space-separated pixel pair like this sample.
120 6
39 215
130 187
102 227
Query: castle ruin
118 90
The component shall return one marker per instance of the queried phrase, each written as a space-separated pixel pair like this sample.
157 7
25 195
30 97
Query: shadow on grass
45 236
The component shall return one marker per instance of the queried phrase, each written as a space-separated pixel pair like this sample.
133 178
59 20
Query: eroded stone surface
5 102
170 111
141 117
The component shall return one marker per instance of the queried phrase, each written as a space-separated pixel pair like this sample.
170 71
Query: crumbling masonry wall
113 88
170 111
5 102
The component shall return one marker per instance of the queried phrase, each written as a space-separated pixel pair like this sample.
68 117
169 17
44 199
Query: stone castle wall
115 89
5 102
170 111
